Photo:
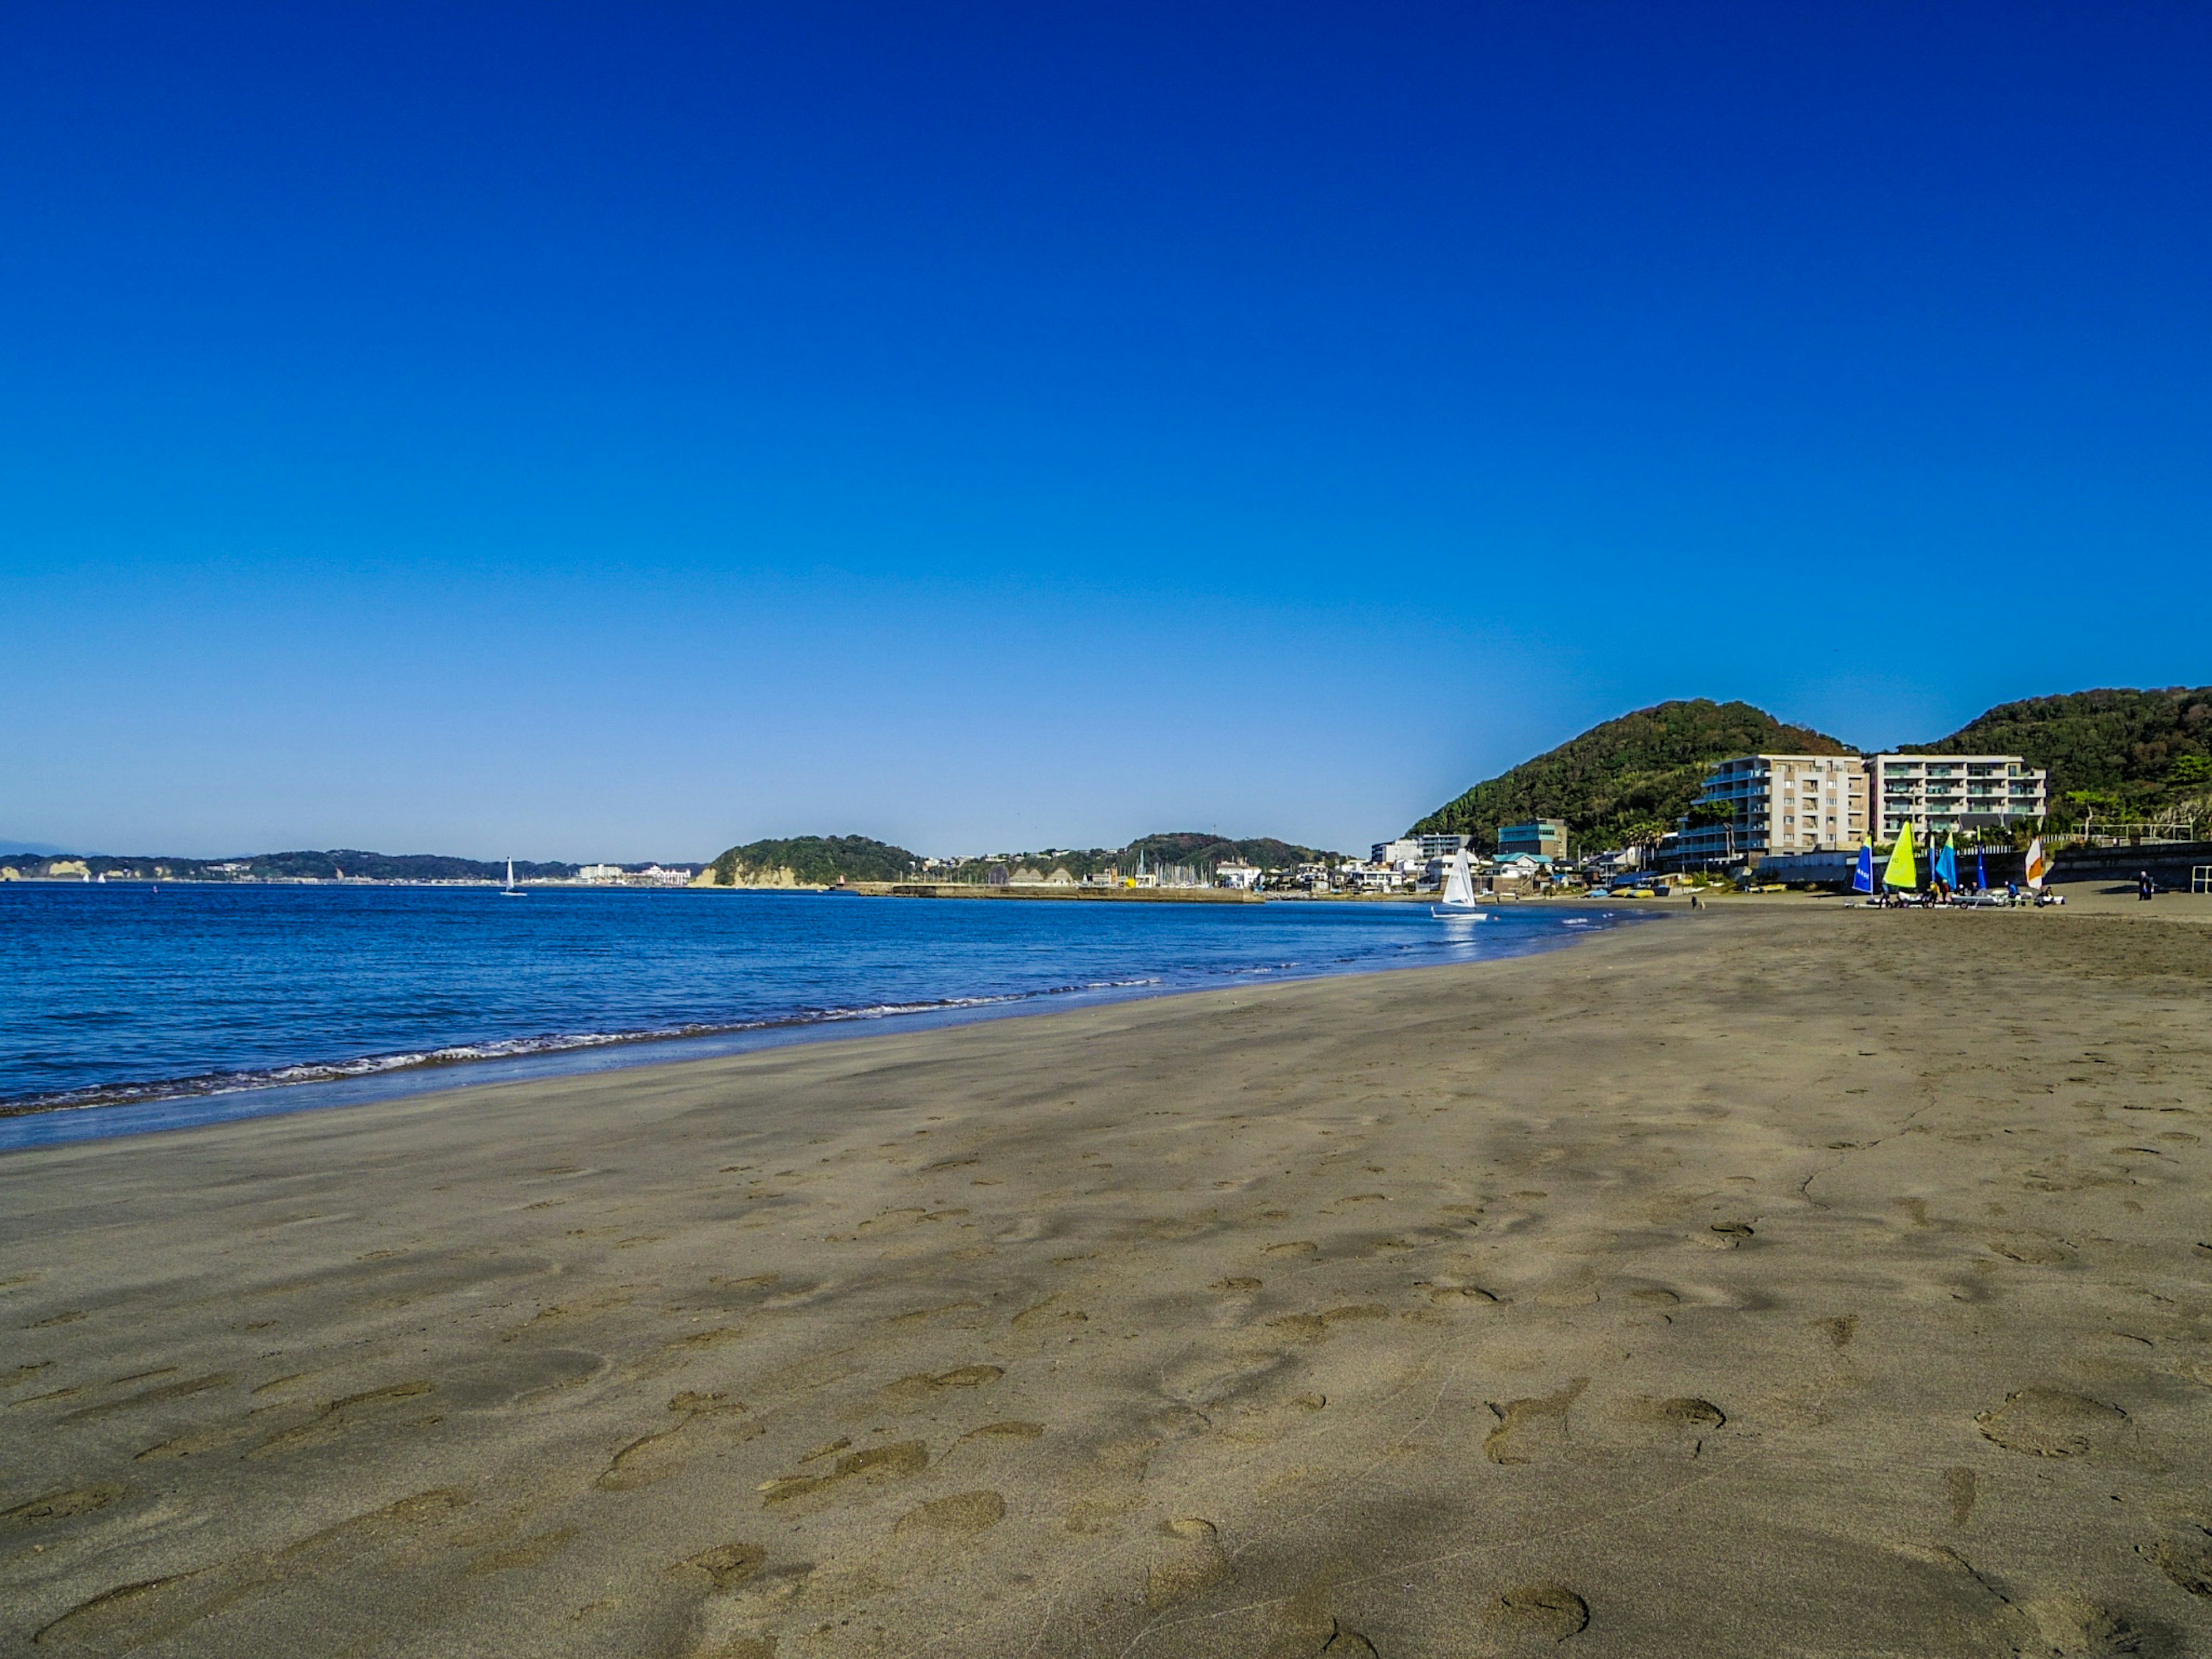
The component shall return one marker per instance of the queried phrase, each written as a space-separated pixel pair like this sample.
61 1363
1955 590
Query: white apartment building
600 872
1782 803
1939 793
1405 850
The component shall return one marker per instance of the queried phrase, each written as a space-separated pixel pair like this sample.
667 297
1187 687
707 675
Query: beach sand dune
1787 1280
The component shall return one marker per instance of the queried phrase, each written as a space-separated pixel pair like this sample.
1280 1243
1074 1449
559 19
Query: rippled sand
1785 1279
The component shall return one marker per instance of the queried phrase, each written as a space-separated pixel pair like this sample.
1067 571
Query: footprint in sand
1958 1491
960 1515
2186 1556
1541 1612
1682 1426
396 1405
655 1456
1007 1431
724 1567
871 1467
153 1396
2031 1248
65 1506
1316 1327
139 1614
1457 1296
1525 1427
922 1386
1196 1563
2074 1626
526 1553
2052 1423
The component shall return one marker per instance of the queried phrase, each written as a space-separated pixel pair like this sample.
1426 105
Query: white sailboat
1458 896
510 890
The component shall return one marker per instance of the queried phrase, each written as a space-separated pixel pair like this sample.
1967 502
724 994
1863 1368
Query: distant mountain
820 860
1209 852
1627 780
2112 751
810 861
34 848
295 867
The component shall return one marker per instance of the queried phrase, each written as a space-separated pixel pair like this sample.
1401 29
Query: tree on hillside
1613 781
2114 750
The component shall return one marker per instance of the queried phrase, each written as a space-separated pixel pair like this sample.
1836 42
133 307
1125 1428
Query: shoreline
1469 1309
168 1105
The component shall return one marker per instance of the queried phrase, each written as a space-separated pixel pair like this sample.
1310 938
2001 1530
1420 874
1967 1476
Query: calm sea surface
123 1008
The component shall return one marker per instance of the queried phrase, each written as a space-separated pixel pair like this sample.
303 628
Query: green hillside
1198 850
1208 852
2113 751
1627 780
813 861
820 860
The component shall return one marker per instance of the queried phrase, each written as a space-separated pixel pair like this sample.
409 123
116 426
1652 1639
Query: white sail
1459 880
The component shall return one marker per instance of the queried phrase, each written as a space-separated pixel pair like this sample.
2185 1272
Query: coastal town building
1406 849
1544 838
1940 794
1245 877
600 872
1761 804
1443 847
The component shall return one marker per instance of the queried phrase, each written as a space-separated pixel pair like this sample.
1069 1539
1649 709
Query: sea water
124 1007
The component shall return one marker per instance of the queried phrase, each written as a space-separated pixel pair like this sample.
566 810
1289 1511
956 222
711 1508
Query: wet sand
1786 1280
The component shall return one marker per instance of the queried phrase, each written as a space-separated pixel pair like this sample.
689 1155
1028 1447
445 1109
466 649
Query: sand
1787 1280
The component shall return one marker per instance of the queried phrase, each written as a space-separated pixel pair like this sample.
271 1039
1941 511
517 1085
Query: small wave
461 1054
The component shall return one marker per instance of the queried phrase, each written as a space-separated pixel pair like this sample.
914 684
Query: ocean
125 1008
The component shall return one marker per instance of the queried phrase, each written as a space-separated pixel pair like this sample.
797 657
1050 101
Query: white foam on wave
461 1054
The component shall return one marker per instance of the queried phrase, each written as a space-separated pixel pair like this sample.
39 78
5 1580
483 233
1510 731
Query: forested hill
823 861
2113 751
1627 780
810 861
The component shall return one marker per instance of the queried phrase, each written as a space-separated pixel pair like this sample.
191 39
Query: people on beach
2144 885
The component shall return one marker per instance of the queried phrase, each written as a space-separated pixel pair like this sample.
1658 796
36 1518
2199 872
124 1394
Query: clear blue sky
627 430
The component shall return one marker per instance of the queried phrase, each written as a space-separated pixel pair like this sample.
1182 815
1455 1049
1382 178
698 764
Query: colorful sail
2037 866
1946 861
1863 877
1903 870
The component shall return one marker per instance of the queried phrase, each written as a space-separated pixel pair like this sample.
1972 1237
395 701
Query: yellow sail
1902 872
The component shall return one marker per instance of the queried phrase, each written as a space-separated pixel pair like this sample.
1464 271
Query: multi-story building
1541 838
1776 803
1443 847
1406 849
1939 793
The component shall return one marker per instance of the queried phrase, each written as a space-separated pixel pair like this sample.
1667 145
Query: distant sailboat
1458 898
510 890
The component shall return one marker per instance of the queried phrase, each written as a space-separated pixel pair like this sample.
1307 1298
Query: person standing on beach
2144 886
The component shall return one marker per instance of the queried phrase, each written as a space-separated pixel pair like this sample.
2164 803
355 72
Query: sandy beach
1783 1279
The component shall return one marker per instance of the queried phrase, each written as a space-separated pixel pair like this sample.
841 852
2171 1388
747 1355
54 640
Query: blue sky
625 431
